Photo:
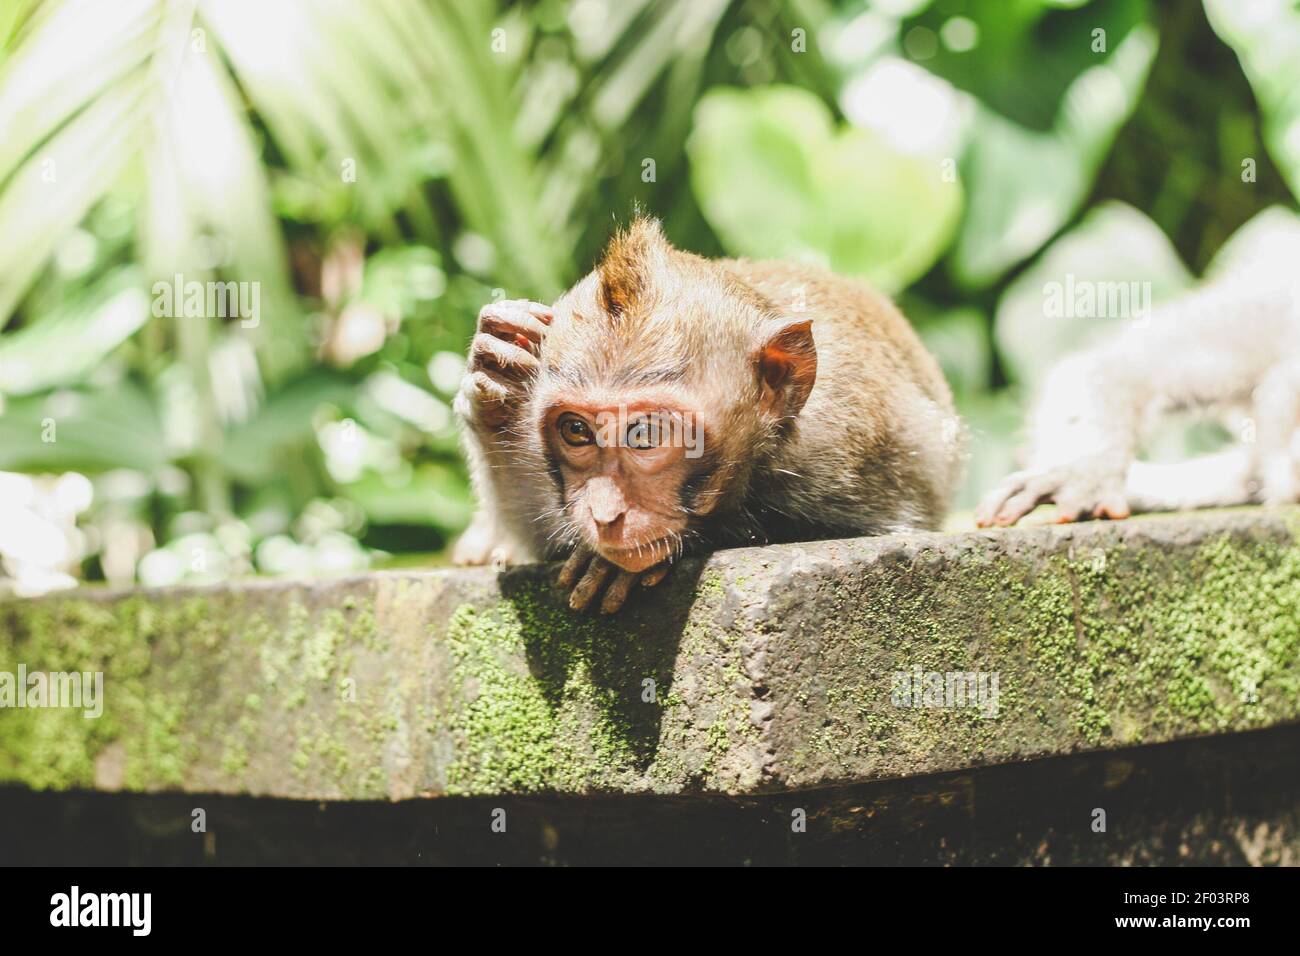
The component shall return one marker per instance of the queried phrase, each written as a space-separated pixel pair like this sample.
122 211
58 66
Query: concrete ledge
759 670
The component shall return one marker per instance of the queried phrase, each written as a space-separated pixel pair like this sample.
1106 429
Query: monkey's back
849 310
878 437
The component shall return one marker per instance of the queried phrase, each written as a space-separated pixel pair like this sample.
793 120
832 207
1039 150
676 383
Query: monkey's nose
609 528
606 506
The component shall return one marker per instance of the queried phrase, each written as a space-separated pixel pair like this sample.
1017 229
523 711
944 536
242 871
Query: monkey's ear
787 366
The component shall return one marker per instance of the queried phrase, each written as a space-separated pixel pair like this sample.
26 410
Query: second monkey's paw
1078 492
586 573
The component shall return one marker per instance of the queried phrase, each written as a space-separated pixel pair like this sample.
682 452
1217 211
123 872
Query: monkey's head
664 382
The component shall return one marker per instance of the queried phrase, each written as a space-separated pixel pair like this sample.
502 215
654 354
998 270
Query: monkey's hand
1082 489
502 362
483 543
586 572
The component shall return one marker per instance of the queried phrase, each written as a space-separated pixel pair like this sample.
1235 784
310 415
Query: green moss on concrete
766 672
546 699
195 685
1110 647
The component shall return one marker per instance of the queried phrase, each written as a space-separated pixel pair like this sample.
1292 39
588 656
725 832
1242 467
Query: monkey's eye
642 433
574 430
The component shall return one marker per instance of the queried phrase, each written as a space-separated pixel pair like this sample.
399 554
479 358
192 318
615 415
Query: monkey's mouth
637 557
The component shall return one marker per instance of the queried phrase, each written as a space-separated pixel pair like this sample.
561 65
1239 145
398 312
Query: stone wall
755 674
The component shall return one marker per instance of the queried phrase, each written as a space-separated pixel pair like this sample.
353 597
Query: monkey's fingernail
654 576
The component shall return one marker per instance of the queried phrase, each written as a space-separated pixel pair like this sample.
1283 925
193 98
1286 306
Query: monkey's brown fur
873 447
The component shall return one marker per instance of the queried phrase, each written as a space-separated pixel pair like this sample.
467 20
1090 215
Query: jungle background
382 169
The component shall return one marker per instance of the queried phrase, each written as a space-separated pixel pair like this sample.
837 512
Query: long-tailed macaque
669 402
1231 347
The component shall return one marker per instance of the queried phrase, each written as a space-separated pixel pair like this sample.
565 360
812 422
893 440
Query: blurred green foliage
381 170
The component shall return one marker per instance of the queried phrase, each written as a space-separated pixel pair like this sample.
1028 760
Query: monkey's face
622 469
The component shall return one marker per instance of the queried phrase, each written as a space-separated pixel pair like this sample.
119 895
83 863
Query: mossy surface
198 692
1109 645
762 669
542 699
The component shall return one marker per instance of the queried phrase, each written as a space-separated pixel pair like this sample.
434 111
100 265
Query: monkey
1231 348
669 404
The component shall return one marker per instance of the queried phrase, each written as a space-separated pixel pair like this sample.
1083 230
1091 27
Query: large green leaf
285 419
85 430
432 495
1270 241
959 340
1025 185
67 345
12 14
1024 54
777 179
1266 36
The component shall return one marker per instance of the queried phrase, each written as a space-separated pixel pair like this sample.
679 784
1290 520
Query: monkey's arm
1213 346
503 360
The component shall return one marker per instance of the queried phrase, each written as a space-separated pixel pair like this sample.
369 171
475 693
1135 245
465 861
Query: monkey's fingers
542 311
618 591
1021 503
1115 510
483 400
581 596
985 511
1073 507
489 353
573 568
656 574
517 327
1018 495
986 515
485 389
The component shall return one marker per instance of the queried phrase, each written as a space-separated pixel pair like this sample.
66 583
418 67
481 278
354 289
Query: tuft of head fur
629 262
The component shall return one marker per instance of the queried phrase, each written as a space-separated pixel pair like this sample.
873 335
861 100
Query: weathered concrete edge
757 670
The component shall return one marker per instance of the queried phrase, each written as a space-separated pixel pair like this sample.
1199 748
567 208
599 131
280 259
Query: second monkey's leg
1276 408
1211 481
